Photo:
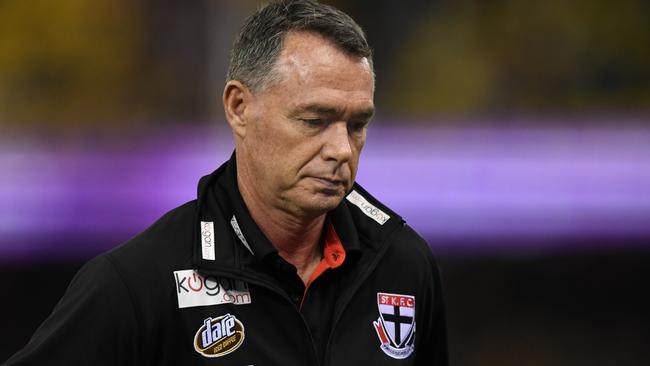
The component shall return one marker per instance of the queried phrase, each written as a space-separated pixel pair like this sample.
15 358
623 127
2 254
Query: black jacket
157 300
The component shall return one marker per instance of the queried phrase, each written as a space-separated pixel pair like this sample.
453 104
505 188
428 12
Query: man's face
305 132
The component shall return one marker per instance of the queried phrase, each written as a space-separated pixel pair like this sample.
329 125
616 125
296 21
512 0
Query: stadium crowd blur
521 128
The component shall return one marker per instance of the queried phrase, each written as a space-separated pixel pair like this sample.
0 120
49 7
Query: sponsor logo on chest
193 289
395 326
219 336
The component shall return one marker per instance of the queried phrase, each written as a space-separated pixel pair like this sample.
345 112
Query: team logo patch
395 326
192 289
219 336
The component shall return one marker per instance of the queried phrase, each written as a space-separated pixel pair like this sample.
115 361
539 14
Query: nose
337 145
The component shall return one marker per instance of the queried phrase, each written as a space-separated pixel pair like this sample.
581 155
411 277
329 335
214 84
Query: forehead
311 65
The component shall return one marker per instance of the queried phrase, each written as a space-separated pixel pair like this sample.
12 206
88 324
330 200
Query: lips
329 180
329 183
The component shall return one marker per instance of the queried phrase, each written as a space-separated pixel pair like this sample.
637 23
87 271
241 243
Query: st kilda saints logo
395 326
219 336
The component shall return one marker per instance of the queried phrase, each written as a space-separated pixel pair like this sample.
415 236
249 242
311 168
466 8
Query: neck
297 239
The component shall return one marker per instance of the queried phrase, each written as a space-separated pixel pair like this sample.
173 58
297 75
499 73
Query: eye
314 122
357 126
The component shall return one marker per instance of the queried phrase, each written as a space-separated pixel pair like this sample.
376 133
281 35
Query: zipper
243 276
350 294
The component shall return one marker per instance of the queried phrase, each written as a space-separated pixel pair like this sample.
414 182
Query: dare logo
219 336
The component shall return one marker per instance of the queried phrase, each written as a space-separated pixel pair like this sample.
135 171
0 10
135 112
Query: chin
322 204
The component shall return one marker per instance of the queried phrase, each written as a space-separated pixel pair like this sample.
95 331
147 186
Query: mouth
329 185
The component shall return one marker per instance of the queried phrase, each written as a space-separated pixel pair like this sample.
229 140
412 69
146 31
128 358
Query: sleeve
435 350
440 354
93 324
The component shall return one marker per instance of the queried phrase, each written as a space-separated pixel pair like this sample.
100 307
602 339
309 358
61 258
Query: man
282 259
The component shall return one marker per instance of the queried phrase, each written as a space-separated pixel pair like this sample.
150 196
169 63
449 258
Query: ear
236 98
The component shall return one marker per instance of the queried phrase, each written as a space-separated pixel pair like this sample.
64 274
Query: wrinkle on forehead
308 55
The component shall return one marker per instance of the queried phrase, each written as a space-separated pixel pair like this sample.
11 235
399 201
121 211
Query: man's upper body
282 259
204 285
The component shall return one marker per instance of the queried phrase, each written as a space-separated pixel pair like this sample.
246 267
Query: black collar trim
239 242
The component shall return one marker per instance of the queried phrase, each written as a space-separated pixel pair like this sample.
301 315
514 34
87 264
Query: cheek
278 155
357 146
267 139
356 155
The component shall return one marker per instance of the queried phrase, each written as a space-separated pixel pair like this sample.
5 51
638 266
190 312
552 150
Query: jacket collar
234 241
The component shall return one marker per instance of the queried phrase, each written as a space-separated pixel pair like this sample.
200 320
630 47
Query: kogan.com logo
207 240
367 208
193 289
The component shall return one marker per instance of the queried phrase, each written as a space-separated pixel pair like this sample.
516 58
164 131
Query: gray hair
260 40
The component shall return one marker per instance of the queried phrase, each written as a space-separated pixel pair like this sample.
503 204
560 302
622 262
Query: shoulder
144 265
408 247
97 275
143 268
385 230
165 242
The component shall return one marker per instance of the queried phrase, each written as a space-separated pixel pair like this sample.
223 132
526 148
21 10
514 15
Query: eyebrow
333 112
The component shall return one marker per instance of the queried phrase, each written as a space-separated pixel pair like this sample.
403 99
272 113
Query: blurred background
513 135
